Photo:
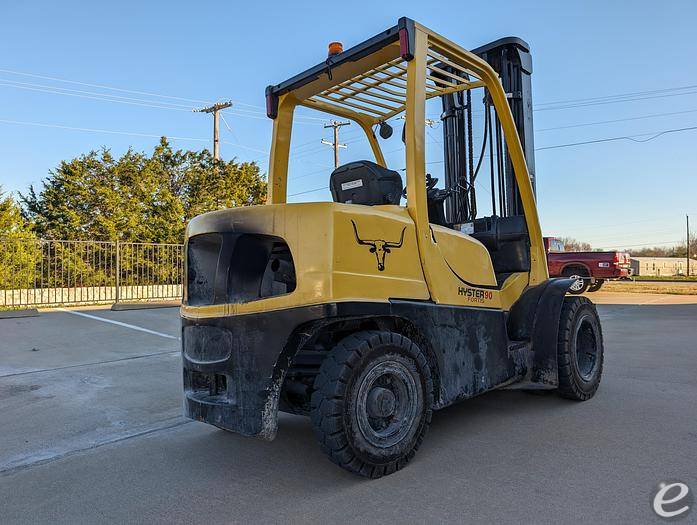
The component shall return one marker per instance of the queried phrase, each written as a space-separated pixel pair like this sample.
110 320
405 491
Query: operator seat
365 182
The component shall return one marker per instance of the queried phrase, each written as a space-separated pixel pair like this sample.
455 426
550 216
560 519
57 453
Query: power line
59 90
228 126
242 146
107 97
324 169
640 95
96 97
128 133
600 103
248 114
261 108
148 135
96 130
308 191
314 144
302 119
200 139
260 111
652 136
112 88
617 120
621 95
611 99
317 149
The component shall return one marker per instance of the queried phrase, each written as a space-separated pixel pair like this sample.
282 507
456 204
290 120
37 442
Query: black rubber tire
335 411
577 272
596 286
580 352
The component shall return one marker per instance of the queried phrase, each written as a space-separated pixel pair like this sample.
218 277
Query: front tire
580 351
372 402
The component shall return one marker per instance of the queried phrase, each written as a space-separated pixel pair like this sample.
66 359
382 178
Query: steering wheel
431 182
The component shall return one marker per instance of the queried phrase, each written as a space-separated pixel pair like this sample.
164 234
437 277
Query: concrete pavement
92 434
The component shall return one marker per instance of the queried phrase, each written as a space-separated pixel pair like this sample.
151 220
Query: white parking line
118 323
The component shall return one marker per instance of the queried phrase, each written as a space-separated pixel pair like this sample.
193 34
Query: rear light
271 103
271 107
405 47
616 260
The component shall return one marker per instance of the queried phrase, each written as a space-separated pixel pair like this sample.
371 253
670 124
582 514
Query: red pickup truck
590 269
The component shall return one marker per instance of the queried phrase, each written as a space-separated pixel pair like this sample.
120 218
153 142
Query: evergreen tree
17 249
137 197
12 223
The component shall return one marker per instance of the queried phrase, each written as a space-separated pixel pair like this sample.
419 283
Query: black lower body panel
470 346
234 366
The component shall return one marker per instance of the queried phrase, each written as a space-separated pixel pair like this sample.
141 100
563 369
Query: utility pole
336 125
215 108
688 244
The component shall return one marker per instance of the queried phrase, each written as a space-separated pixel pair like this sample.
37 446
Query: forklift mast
510 57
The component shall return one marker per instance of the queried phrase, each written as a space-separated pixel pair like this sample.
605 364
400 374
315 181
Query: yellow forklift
370 312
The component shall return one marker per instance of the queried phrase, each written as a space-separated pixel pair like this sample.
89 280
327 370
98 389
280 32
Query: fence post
118 271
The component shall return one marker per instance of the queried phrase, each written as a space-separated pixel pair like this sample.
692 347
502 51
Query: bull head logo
378 246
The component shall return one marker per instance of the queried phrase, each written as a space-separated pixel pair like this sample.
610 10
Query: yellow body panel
331 264
512 289
465 255
356 272
462 269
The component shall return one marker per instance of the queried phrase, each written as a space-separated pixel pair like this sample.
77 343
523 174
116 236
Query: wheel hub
386 405
578 282
381 402
587 346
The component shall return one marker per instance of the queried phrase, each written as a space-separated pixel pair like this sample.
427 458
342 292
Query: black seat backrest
507 240
364 182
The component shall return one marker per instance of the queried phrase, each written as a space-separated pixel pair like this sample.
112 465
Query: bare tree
572 245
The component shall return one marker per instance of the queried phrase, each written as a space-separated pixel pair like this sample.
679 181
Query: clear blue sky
613 194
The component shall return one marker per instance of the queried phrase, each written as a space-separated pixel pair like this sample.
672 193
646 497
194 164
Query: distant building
662 266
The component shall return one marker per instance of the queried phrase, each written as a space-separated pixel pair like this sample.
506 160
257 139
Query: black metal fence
38 272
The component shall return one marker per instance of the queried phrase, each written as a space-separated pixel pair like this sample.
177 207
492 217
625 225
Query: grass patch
673 288
677 278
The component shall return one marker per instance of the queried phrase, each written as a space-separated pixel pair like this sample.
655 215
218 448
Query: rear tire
581 280
596 286
372 402
580 351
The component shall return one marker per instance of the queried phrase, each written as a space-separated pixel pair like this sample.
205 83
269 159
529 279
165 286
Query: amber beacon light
335 48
